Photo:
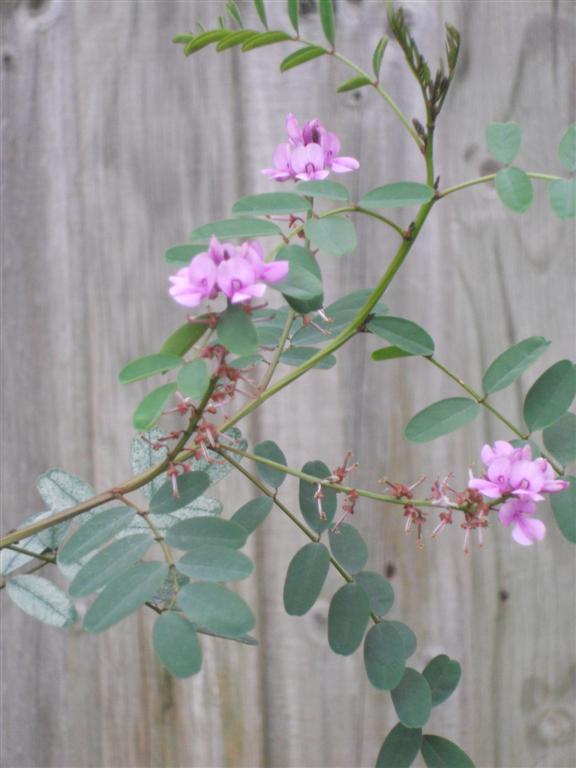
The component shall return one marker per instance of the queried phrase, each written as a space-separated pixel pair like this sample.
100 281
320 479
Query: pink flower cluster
310 153
239 272
513 474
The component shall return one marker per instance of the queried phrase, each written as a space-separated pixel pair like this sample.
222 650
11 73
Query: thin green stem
482 400
351 209
21 550
37 567
339 488
491 177
278 353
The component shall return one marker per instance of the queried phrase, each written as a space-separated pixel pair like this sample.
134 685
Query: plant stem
48 559
491 177
334 486
482 400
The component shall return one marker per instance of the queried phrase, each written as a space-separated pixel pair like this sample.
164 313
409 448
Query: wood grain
114 148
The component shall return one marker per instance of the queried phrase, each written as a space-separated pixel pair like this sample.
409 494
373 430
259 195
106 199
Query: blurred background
114 148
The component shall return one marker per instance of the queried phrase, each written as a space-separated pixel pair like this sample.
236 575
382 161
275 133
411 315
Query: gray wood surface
114 147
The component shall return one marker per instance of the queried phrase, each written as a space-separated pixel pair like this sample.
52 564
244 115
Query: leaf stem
491 177
48 559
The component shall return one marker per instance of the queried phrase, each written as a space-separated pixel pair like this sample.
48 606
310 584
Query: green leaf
348 616
190 534
293 10
400 747
567 149
512 363
235 228
124 595
514 189
384 656
182 39
269 450
331 190
562 196
327 18
302 56
184 338
261 11
234 11
147 366
190 486
206 38
216 608
408 637
164 596
348 547
176 644
271 203
550 396
503 140
270 326
389 353
439 752
405 334
193 379
305 578
378 55
215 562
412 699
109 563
379 590
333 234
236 38
253 513
309 505
564 509
443 675
95 532
265 38
183 254
441 418
60 490
41 599
560 438
299 355
302 288
237 332
152 406
397 195
353 84
246 361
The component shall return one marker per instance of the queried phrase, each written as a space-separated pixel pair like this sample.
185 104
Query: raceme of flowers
512 473
310 153
239 272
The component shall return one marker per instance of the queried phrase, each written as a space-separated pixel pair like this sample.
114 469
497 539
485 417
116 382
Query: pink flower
192 284
496 481
311 153
526 529
239 272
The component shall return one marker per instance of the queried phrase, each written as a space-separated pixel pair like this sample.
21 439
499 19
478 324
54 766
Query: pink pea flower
269 272
527 480
526 529
311 153
496 481
552 484
238 281
196 282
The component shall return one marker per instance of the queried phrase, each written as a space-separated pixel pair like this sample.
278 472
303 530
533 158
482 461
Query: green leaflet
237 332
349 548
412 699
309 505
271 203
400 747
235 228
550 396
189 534
397 195
439 752
305 578
512 363
514 189
302 56
503 140
404 334
564 509
190 486
379 590
560 438
215 562
443 675
253 513
94 532
152 406
216 608
441 418
269 450
384 656
193 379
41 599
110 563
332 234
124 595
177 646
147 366
348 616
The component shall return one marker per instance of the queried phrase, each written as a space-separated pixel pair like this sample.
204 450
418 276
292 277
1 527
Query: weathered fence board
114 147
